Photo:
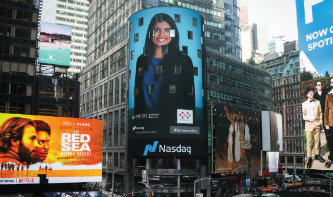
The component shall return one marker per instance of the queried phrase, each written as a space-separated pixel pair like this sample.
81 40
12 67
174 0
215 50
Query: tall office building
74 14
276 44
18 36
285 71
254 42
104 85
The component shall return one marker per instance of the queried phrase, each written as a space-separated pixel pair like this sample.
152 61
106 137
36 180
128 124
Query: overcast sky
279 17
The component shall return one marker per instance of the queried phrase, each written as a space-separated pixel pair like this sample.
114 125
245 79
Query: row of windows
107 26
107 67
74 8
75 2
206 10
106 95
71 14
117 161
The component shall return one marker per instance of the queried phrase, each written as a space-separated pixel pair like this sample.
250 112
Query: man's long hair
42 126
173 46
12 129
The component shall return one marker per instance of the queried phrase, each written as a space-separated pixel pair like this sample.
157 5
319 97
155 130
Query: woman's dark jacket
183 98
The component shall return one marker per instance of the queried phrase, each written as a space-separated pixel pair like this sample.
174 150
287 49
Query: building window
177 18
178 69
159 69
184 50
140 21
194 22
195 71
172 88
190 35
136 37
199 54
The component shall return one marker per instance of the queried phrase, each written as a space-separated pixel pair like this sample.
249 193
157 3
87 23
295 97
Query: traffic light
152 194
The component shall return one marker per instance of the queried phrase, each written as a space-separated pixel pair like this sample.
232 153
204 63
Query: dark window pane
159 69
177 18
190 35
194 22
184 51
141 21
172 88
178 69
195 71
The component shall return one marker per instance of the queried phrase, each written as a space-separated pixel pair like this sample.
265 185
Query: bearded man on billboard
18 141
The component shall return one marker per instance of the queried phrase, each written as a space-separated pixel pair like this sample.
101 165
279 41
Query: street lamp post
113 180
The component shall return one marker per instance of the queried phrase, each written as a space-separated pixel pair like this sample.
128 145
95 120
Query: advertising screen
272 131
315 31
45 149
55 44
166 70
237 139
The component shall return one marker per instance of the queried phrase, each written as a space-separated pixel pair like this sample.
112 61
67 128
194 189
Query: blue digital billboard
315 34
166 74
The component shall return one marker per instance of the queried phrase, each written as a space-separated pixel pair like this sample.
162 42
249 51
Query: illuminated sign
55 44
166 64
37 149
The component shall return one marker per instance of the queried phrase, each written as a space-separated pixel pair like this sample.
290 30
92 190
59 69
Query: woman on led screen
164 80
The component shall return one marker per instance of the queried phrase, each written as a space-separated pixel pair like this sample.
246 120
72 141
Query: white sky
279 17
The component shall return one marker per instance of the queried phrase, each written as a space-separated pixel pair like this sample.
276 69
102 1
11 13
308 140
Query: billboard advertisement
166 74
237 139
55 44
271 131
315 34
44 149
315 30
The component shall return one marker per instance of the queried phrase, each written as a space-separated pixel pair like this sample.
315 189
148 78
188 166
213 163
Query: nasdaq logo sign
150 148
162 148
315 34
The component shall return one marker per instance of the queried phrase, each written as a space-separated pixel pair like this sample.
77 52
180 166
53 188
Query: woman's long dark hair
173 46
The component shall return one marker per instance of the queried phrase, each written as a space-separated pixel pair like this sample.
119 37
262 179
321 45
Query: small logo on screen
184 116
150 148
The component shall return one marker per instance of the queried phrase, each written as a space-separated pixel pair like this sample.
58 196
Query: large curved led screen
166 70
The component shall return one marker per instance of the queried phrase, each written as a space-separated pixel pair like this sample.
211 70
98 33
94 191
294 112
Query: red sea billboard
45 149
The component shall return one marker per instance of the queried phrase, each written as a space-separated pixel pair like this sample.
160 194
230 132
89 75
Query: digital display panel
166 74
55 44
237 139
44 149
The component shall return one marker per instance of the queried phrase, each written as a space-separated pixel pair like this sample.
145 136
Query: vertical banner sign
166 74
315 31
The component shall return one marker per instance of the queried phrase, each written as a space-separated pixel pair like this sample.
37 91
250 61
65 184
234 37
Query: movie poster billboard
44 149
166 74
237 139
55 44
315 30
272 131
